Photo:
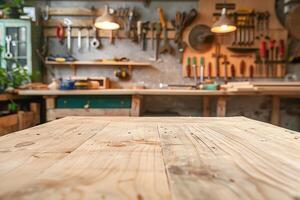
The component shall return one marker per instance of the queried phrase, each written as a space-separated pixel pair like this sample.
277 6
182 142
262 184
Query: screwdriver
202 69
195 70
271 64
263 56
282 55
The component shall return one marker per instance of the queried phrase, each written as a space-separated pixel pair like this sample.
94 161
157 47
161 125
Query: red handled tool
263 54
60 33
282 56
272 70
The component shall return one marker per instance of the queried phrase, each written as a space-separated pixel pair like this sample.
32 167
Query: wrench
95 42
79 42
8 54
68 23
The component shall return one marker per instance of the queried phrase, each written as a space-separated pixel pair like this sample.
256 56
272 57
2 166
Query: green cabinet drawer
93 102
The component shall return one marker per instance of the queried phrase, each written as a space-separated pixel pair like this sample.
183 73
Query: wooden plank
60 113
128 158
7 97
36 109
206 106
51 32
37 149
8 124
74 11
221 106
136 104
229 160
127 164
101 63
275 112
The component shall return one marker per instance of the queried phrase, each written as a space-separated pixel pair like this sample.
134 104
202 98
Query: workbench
128 102
151 158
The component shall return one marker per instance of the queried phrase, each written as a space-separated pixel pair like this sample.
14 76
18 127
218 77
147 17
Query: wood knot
23 144
140 197
176 170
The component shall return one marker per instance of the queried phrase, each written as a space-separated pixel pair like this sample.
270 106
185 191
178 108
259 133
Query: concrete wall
168 71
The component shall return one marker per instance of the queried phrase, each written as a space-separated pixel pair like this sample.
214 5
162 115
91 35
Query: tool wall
255 50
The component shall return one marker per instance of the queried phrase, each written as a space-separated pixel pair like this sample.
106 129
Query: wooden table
54 112
151 158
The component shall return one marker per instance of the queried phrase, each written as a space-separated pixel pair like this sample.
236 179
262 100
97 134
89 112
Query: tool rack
276 31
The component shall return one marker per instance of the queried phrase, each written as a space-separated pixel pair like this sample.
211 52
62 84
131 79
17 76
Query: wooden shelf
7 97
76 64
100 63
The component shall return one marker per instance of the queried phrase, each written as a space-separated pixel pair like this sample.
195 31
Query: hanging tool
95 41
201 38
157 33
79 39
8 53
181 48
181 21
272 69
195 70
60 33
139 31
277 61
166 48
127 19
217 55
202 63
243 68
267 22
225 63
267 62
152 28
88 43
235 32
282 56
251 71
232 71
263 55
209 70
188 67
145 28
68 23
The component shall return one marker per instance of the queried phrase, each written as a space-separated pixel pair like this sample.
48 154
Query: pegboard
206 12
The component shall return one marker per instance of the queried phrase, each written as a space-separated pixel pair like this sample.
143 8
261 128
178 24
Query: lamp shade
224 24
106 21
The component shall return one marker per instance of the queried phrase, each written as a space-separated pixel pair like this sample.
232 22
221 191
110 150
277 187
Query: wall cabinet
20 40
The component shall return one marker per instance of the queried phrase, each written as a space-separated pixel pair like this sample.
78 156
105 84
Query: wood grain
151 158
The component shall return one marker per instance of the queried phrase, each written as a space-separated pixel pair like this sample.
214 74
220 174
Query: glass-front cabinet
18 41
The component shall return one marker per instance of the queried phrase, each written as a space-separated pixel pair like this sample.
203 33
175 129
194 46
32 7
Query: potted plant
13 8
19 76
3 79
3 76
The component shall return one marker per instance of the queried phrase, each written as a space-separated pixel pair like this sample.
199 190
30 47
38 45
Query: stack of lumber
261 86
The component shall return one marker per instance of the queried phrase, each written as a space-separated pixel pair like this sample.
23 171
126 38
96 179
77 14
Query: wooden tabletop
151 158
288 91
